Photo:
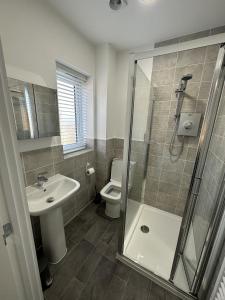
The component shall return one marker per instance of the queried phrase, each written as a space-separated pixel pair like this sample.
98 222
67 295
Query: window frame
79 81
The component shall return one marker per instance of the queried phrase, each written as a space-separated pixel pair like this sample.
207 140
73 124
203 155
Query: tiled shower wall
210 181
167 180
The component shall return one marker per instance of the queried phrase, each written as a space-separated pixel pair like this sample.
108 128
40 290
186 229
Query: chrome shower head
186 77
183 82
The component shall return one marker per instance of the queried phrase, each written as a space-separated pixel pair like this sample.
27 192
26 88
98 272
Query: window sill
77 153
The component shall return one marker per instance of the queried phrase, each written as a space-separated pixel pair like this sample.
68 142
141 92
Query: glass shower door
204 195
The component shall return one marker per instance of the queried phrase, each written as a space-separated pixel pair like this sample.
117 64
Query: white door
19 275
10 283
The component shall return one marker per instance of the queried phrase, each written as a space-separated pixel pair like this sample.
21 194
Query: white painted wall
121 90
34 37
101 91
110 108
111 91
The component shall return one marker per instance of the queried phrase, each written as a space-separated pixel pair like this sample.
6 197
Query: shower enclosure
176 136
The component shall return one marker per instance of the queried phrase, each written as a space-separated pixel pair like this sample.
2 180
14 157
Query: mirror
35 110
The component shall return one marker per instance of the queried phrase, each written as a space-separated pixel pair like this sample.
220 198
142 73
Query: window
72 101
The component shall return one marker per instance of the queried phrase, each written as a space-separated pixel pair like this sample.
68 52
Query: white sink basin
46 202
58 189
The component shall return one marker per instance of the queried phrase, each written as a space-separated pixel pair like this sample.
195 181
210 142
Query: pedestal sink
46 202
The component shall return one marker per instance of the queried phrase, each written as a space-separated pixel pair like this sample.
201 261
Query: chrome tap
41 178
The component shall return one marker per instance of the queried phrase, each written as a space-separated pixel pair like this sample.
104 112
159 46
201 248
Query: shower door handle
196 186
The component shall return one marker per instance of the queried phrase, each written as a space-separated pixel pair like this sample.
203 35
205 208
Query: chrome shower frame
134 57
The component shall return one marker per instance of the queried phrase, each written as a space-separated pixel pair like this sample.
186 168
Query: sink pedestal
53 235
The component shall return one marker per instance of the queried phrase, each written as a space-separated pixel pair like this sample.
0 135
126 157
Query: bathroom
112 145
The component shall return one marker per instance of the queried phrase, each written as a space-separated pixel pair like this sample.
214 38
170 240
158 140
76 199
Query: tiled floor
90 270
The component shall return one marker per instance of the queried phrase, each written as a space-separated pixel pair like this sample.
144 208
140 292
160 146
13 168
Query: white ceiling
140 24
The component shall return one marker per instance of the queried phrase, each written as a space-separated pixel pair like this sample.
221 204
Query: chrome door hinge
7 231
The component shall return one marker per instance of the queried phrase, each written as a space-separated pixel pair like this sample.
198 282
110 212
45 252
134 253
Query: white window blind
72 101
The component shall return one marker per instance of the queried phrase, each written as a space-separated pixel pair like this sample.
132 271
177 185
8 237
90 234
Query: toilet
111 192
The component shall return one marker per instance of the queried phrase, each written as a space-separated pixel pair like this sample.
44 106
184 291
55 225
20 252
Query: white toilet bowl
111 192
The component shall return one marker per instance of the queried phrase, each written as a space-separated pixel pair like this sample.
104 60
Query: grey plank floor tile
90 270
73 290
122 271
89 266
116 289
99 282
138 287
77 256
96 231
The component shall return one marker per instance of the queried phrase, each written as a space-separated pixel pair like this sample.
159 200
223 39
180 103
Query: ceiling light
117 4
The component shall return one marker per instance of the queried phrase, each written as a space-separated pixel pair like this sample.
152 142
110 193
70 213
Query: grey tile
212 53
170 177
201 106
31 176
208 71
191 57
161 93
189 167
37 158
164 61
163 77
98 285
167 202
156 148
65 167
157 293
195 70
173 166
122 271
137 287
77 256
161 107
168 188
191 155
89 267
116 289
73 290
204 90
96 231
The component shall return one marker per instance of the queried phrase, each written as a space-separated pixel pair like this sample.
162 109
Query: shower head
186 77
183 82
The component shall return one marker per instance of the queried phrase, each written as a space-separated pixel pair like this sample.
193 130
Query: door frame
133 57
12 180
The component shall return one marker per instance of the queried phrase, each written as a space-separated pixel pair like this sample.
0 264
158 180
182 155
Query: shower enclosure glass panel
155 205
206 201
138 147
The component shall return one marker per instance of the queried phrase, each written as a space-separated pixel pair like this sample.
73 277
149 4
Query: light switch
189 124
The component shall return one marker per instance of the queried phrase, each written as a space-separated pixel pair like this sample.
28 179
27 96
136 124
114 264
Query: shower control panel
189 124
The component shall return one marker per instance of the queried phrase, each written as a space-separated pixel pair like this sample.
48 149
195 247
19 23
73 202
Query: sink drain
144 228
50 199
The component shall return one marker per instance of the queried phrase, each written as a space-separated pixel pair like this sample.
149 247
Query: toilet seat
111 192
109 186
